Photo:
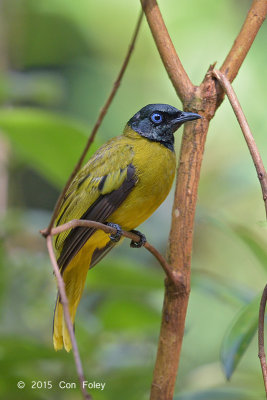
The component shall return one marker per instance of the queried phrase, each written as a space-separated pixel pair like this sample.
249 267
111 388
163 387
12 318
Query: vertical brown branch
180 247
261 354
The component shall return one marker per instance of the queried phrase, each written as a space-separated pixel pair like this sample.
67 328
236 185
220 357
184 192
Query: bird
122 184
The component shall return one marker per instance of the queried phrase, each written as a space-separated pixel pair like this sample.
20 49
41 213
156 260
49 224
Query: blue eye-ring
156 118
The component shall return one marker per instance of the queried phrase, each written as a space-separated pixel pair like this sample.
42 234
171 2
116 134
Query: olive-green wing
96 192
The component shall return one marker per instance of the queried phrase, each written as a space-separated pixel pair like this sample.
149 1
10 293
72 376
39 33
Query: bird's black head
158 122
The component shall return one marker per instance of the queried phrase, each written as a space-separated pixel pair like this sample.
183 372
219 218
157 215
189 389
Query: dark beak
185 116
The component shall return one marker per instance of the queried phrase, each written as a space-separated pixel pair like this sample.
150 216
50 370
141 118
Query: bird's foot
142 241
115 237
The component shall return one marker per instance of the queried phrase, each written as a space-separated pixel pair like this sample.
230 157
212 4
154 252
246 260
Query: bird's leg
142 241
116 236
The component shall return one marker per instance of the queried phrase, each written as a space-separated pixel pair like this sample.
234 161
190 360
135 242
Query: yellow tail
74 277
74 284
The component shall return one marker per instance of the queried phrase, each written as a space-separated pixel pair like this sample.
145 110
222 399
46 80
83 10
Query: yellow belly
155 168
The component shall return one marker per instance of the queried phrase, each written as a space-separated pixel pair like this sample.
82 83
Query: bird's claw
141 242
115 237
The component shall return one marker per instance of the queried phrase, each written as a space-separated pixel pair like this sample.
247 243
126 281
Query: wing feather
96 192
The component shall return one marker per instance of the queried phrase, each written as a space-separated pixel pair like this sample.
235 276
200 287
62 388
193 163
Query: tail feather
57 325
74 285
74 278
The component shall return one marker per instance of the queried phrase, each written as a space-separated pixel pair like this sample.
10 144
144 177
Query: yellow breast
155 167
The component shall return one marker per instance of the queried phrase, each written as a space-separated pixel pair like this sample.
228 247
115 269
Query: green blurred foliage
58 61
28 130
239 336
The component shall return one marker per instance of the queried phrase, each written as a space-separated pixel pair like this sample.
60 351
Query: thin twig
262 175
169 56
245 38
100 118
174 277
261 337
64 302
261 172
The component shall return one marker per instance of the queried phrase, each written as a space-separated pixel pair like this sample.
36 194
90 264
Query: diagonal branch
245 38
172 275
100 118
262 175
170 59
64 302
261 172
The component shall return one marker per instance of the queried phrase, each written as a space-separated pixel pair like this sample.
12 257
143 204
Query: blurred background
58 61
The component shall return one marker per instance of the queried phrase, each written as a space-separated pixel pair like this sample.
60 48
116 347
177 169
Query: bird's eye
156 118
